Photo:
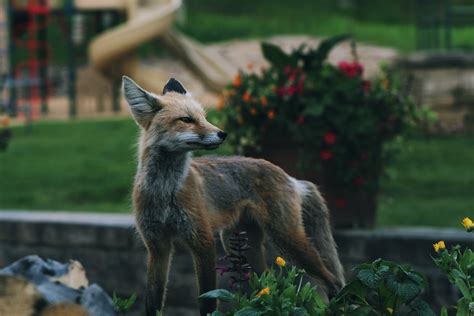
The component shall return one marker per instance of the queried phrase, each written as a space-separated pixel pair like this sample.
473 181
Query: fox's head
173 121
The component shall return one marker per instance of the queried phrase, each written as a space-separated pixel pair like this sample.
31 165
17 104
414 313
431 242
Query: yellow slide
112 52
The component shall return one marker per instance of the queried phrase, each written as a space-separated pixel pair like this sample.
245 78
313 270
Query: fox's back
232 181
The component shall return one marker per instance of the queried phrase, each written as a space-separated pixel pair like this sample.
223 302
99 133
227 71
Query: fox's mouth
204 145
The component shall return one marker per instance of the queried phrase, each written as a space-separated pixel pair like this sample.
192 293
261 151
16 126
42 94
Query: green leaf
327 45
298 311
248 311
123 304
463 288
422 308
217 313
276 56
314 111
220 294
361 311
369 278
444 311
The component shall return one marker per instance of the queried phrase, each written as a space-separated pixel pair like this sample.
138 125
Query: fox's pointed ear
174 85
143 104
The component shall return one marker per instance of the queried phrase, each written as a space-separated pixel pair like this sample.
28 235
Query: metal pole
12 104
71 61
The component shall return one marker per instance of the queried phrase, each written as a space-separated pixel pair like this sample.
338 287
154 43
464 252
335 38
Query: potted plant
319 122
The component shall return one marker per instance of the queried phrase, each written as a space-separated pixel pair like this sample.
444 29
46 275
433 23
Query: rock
47 287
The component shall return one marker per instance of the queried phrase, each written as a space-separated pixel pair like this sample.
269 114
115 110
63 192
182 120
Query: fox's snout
222 135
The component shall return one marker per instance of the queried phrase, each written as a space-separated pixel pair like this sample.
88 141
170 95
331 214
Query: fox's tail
318 229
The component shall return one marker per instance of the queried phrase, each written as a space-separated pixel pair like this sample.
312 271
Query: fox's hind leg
256 253
318 228
292 241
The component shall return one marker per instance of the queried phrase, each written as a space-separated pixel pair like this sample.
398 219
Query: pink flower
351 69
330 138
325 154
300 120
367 85
359 181
340 203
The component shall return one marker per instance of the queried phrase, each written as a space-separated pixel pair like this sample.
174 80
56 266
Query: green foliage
278 291
123 305
458 265
382 288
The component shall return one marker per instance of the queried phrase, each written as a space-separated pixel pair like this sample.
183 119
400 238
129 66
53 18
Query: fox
177 198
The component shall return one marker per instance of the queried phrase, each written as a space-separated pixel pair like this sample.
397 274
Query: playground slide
112 52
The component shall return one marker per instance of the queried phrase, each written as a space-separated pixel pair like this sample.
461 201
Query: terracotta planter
348 209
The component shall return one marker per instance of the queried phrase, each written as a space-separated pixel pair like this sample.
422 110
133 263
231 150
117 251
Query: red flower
330 138
340 203
300 120
359 181
287 70
325 154
291 90
367 85
351 69
281 91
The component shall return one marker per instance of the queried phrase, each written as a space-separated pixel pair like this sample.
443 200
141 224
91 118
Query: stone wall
444 81
114 257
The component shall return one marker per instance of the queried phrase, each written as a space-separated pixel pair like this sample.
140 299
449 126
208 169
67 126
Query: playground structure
94 43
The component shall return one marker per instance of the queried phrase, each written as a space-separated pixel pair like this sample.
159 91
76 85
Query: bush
342 121
379 288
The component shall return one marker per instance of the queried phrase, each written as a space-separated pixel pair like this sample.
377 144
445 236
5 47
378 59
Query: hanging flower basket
319 122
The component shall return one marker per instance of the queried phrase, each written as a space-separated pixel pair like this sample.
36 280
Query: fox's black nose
222 135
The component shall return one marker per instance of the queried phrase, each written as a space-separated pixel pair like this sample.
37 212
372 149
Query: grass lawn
386 23
89 165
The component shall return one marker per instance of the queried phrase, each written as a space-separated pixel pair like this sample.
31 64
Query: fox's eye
187 119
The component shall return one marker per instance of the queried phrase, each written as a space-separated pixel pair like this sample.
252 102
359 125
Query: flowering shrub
458 265
379 288
340 120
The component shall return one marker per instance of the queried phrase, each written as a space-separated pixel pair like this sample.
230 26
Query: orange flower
253 111
229 93
265 291
4 121
220 103
271 115
237 81
250 66
264 101
247 97
274 88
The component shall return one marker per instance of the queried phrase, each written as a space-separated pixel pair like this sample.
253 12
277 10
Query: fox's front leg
203 250
159 257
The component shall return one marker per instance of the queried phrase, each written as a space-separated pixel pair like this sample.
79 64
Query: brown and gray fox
176 198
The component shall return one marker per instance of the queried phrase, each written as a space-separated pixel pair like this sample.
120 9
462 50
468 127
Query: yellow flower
390 310
468 224
440 245
265 291
280 261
